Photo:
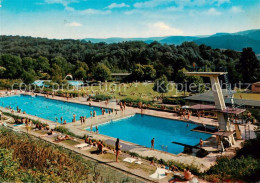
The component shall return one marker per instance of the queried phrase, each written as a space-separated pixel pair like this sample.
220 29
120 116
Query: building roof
205 74
256 83
202 107
228 110
208 97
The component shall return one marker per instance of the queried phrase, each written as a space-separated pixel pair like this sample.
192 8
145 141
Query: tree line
39 58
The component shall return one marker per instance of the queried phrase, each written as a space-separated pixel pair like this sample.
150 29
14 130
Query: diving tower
218 96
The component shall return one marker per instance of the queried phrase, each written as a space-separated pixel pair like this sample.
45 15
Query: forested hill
235 41
39 55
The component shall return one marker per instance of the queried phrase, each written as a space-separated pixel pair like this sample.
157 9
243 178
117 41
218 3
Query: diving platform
217 93
186 145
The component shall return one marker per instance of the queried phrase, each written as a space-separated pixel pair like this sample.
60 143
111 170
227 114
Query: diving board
186 145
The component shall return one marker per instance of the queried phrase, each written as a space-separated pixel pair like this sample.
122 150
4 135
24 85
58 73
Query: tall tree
102 72
43 64
249 66
80 73
161 85
13 66
149 72
56 73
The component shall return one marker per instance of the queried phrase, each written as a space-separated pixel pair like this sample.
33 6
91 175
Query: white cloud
65 3
162 29
74 24
236 9
179 3
115 5
94 12
212 11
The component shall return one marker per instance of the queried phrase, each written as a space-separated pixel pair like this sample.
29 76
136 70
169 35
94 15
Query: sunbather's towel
16 130
158 174
129 160
194 180
139 162
80 146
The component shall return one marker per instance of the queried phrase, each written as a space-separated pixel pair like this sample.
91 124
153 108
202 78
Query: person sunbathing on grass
188 175
62 138
48 133
87 140
100 147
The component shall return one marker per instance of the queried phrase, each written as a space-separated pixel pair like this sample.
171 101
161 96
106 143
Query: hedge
174 100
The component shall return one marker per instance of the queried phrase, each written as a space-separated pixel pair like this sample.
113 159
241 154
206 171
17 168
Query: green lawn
247 96
132 90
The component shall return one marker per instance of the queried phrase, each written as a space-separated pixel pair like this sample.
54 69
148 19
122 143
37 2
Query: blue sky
133 18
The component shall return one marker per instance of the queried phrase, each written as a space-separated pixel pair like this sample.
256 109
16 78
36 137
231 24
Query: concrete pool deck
76 127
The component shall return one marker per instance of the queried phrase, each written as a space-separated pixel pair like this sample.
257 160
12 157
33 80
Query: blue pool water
40 83
140 129
48 108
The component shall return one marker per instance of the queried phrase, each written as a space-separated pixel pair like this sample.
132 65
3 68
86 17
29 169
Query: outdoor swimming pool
48 108
40 83
140 129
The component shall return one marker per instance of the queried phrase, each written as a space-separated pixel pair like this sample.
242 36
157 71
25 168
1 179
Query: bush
244 168
250 148
174 100
102 97
10 84
202 153
135 101
255 113
27 159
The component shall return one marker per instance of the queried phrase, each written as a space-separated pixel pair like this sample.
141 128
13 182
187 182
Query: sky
78 19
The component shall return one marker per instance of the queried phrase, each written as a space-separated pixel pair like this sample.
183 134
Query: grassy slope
134 91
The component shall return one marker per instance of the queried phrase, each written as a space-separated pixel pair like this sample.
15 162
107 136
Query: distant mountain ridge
235 41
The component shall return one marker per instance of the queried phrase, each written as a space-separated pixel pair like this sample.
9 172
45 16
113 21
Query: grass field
247 96
132 90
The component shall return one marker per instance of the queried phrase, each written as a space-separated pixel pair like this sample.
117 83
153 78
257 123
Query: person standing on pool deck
96 129
61 120
152 143
74 117
201 143
117 149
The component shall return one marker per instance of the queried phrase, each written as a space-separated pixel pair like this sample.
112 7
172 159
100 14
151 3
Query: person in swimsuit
201 143
152 143
117 148
96 129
